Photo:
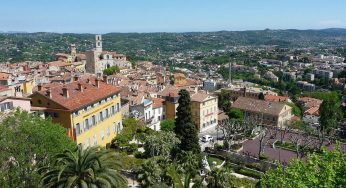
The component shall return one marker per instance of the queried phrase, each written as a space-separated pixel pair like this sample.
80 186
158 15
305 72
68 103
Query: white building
209 85
158 113
98 60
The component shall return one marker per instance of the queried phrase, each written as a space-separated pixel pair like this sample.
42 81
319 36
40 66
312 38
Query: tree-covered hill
16 47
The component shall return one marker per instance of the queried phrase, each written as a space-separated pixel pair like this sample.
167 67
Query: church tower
73 50
98 43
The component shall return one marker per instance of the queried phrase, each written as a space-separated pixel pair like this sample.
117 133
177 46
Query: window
101 116
113 110
102 134
39 101
114 127
108 131
86 124
119 127
93 118
118 107
104 115
88 142
95 139
6 106
78 131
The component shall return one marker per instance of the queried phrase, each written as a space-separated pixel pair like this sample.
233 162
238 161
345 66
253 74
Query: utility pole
230 73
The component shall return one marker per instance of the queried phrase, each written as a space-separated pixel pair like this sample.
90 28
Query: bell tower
98 43
73 50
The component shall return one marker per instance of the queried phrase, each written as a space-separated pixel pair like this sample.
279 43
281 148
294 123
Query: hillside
16 47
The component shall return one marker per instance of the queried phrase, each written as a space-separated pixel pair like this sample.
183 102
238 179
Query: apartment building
204 111
88 108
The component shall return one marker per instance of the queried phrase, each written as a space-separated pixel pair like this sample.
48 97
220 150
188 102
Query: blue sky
102 16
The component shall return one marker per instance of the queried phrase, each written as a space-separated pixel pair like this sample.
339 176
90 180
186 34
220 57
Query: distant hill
42 46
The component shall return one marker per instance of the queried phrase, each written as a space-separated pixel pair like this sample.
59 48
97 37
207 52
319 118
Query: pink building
8 103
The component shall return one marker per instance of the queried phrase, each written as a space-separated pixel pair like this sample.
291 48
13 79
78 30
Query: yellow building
171 95
179 79
204 111
89 108
28 86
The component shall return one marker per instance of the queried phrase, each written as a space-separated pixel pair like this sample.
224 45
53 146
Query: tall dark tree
261 96
329 112
184 127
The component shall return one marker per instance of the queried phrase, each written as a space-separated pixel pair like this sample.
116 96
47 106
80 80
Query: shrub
131 148
250 173
218 147
263 157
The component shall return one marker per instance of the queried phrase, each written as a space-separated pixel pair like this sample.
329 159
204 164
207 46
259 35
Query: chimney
49 92
80 87
39 87
65 92
97 82
75 78
105 79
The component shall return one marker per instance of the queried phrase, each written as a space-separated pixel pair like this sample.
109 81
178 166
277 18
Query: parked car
207 138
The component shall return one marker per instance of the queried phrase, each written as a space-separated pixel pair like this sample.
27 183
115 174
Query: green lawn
210 160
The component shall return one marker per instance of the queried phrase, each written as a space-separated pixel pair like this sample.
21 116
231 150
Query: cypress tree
184 127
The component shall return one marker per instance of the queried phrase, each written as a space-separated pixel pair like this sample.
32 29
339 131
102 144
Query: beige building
98 60
264 112
204 111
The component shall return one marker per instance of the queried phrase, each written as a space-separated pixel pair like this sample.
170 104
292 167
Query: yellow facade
171 109
102 130
28 86
204 113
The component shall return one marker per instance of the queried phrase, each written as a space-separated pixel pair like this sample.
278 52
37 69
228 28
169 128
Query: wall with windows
205 114
99 123
101 120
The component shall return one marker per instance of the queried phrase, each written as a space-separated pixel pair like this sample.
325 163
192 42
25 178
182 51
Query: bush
256 166
131 148
251 173
236 146
139 154
218 147
263 157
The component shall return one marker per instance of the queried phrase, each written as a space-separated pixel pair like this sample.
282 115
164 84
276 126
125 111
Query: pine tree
184 127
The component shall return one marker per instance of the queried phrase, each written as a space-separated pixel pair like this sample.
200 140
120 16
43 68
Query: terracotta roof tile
157 102
199 97
274 98
77 99
259 106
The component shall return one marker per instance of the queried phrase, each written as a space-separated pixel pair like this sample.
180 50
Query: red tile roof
199 97
77 99
274 98
157 102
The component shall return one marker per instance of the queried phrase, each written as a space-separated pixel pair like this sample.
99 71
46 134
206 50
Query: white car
207 138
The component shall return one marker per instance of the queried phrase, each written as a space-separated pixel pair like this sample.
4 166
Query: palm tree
219 178
183 180
149 173
92 167
189 162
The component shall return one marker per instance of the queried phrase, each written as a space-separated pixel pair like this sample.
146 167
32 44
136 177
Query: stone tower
73 50
98 43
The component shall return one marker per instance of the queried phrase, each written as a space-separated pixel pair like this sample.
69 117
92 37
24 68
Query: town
257 112
172 94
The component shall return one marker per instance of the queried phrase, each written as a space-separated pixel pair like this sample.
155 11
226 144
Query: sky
104 16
